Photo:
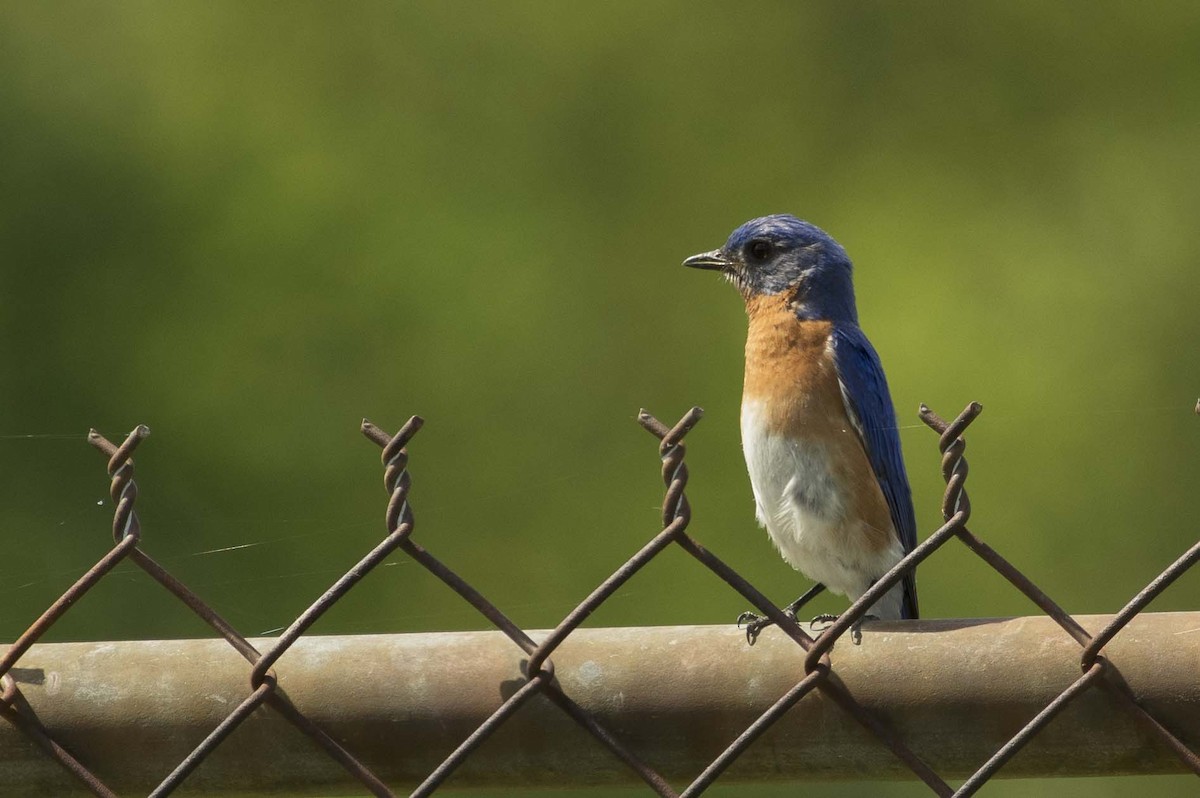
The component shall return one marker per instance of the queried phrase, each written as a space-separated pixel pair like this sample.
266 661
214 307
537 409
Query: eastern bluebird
818 427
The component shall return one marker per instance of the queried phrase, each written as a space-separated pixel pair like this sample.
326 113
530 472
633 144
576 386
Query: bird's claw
754 624
855 630
747 617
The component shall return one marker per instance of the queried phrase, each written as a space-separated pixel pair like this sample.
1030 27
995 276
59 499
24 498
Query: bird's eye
759 249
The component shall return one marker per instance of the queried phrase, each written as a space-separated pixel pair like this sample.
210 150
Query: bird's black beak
714 260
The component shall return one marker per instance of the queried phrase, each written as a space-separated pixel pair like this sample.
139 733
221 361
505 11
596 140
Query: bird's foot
755 623
824 617
855 630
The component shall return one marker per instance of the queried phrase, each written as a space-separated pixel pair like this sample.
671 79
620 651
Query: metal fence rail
1162 719
954 690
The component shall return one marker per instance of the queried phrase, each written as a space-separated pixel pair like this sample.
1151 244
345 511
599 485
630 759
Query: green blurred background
250 225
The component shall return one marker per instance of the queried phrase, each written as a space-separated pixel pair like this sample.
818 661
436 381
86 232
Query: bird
818 425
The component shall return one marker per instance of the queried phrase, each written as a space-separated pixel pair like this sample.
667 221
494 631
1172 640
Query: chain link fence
1097 671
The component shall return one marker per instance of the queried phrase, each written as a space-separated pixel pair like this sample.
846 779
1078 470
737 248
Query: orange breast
789 370
790 374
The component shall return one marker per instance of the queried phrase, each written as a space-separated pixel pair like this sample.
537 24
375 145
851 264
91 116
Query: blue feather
869 405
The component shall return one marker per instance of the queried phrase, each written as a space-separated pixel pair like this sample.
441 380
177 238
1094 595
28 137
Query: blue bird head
781 254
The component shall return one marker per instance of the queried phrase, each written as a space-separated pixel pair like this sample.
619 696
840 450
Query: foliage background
249 225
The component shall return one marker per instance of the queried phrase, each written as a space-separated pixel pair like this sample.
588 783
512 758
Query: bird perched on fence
818 427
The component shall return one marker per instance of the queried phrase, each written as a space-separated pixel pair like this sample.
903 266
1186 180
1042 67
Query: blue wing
869 405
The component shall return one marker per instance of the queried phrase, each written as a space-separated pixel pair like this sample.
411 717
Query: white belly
802 503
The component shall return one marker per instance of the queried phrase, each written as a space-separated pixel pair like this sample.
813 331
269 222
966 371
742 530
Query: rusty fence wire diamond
127 535
1096 670
538 669
537 675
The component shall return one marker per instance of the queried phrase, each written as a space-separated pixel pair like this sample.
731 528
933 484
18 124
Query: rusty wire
538 669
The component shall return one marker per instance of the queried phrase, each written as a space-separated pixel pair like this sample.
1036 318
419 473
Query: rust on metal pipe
955 691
